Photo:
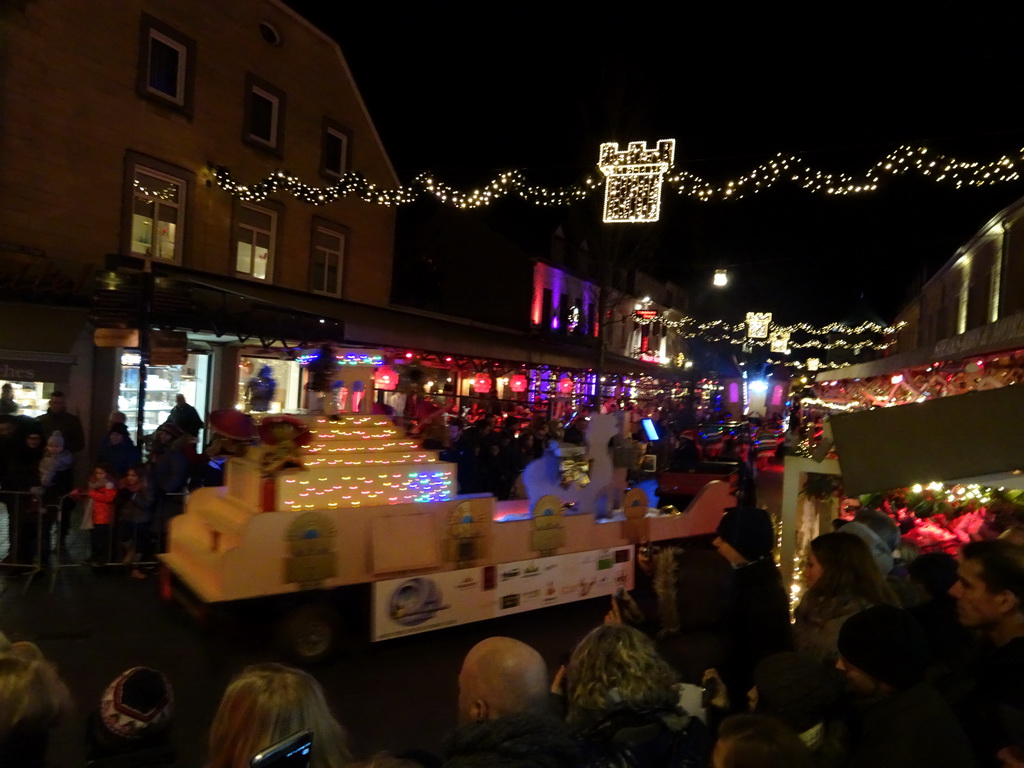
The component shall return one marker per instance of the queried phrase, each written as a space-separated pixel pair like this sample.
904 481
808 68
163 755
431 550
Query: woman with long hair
841 579
266 703
622 704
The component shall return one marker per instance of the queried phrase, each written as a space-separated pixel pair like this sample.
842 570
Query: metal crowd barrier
37 538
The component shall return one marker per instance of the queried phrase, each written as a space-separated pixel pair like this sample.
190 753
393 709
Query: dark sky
468 90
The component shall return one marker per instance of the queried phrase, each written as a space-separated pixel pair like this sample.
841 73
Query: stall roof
974 437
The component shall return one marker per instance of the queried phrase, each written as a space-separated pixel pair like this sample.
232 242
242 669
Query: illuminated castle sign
632 192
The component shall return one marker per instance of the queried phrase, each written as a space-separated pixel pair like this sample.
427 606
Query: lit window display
163 384
269 385
28 398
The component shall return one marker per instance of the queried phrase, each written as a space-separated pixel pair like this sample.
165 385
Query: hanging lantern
517 383
482 383
566 385
385 378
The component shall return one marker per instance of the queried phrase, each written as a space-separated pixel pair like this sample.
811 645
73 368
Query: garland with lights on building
782 168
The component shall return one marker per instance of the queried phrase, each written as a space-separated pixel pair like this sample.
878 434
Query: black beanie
886 643
749 531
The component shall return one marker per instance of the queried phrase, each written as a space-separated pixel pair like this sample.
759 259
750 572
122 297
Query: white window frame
272 237
343 138
179 99
179 221
340 253
275 116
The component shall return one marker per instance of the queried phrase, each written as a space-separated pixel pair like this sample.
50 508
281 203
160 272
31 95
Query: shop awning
26 329
970 438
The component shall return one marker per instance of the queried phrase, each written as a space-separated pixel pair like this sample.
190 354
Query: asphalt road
394 695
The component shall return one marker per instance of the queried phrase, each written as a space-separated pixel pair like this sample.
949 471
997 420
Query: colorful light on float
385 378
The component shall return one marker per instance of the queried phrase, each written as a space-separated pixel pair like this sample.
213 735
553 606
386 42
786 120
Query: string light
758 324
782 168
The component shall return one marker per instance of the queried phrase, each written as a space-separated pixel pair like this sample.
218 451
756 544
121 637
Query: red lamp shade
517 383
385 378
566 385
482 383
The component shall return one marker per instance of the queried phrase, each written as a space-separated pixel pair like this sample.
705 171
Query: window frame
275 210
319 224
151 28
256 86
333 127
135 161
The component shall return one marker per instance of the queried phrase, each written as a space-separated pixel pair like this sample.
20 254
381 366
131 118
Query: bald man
502 677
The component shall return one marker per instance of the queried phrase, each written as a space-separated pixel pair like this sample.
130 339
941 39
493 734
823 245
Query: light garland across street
782 168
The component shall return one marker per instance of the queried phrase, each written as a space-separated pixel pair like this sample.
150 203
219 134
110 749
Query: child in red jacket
99 511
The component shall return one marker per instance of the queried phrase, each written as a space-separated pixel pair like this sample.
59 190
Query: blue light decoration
430 486
348 358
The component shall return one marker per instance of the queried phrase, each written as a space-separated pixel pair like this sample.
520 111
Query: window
256 231
154 208
335 153
264 114
166 64
327 259
158 203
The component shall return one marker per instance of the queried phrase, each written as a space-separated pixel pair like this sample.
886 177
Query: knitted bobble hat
137 705
56 439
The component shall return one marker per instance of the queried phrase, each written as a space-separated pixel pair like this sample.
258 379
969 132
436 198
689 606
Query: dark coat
910 729
628 738
759 623
517 741
992 713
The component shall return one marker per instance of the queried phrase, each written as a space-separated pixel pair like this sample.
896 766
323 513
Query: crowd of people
126 495
883 663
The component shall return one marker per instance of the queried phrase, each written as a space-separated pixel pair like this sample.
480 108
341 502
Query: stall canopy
970 438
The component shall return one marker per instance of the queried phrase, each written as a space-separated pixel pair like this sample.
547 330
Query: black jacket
517 741
992 713
628 738
910 729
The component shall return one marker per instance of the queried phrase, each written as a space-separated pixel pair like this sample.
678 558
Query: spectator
22 476
8 405
841 579
57 419
135 518
882 535
33 700
119 450
185 416
903 723
758 741
266 703
804 694
168 472
501 676
990 599
950 643
99 514
759 623
130 728
504 712
622 704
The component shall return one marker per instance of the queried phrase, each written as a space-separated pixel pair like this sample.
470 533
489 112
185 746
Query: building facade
121 121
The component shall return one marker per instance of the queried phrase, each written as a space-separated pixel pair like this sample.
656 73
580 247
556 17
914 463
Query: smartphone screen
291 752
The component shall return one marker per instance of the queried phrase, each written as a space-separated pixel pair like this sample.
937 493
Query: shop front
163 384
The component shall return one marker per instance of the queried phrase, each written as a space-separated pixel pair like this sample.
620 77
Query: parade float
335 510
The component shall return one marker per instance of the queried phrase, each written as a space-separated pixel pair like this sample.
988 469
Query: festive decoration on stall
813 363
517 383
481 383
632 192
758 324
385 378
630 201
566 386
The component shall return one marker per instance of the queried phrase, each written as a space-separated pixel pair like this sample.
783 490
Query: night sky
537 87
